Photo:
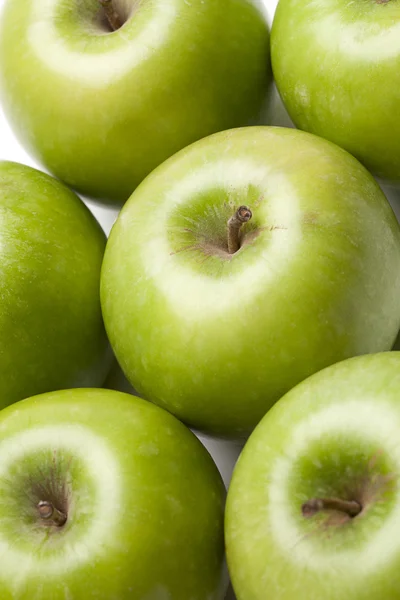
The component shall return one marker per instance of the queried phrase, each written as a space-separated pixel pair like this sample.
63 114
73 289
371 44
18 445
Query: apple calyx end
351 508
241 216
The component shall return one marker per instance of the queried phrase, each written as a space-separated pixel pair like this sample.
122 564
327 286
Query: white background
224 453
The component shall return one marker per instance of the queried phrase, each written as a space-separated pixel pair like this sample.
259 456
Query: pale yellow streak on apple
373 46
193 293
378 423
77 441
105 67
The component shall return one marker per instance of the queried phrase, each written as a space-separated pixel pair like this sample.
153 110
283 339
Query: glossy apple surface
104 495
51 249
335 436
100 108
217 338
337 68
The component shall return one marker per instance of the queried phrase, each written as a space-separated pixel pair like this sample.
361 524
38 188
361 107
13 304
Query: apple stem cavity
349 507
112 15
241 216
50 514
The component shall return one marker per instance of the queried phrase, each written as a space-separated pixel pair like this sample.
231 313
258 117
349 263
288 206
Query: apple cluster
249 290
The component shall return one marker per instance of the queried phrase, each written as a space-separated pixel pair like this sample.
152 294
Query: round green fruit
215 335
51 249
337 67
108 496
101 108
313 510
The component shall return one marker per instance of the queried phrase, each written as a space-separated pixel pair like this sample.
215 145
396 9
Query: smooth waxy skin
336 434
51 248
218 338
144 502
101 110
337 68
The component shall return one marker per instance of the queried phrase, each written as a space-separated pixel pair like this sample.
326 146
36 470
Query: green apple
215 323
51 249
313 510
337 67
101 108
105 495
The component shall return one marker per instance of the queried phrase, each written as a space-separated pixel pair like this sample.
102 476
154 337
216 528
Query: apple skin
218 338
51 249
335 434
101 110
144 502
337 68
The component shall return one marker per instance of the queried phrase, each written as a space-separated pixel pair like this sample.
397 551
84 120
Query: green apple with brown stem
102 91
313 510
104 495
244 264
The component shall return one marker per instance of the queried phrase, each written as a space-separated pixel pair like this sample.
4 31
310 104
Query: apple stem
349 507
242 215
112 16
50 514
